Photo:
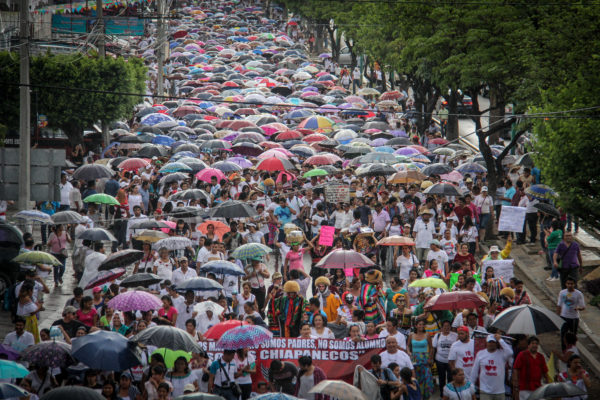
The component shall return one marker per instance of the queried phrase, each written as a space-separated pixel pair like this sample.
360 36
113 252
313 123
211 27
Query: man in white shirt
19 339
183 273
75 201
489 367
485 204
391 330
462 352
423 232
393 354
134 219
185 309
65 190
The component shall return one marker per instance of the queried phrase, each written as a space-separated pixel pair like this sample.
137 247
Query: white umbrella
173 243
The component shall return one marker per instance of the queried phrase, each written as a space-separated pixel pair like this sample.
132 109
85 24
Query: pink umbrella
207 173
345 259
273 127
172 226
135 300
453 176
277 152
290 177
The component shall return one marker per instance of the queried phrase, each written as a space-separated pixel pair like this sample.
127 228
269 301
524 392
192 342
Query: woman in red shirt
87 314
464 255
167 315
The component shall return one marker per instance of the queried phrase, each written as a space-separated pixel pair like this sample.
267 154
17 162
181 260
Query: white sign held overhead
512 219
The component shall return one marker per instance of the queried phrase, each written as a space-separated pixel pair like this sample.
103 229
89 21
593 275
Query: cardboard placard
337 193
512 219
502 268
326 235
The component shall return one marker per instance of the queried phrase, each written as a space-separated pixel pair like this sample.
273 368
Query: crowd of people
285 288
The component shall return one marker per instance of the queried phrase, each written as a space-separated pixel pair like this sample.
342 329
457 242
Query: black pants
443 373
260 294
246 390
570 325
568 272
531 223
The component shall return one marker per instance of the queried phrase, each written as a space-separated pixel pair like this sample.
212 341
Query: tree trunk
352 54
318 39
497 104
383 79
452 132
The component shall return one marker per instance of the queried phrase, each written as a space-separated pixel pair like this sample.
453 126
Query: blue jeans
554 273
59 270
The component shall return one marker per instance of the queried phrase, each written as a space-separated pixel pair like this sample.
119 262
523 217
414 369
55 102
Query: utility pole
160 27
102 53
24 110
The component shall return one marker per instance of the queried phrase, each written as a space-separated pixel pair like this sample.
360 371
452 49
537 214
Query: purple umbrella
345 259
407 151
135 300
398 133
10 353
378 142
241 161
243 337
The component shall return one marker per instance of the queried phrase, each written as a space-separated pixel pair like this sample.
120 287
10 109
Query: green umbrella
315 172
37 257
102 198
171 355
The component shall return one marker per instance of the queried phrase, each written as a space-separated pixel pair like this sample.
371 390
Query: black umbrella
528 319
282 90
121 258
140 279
97 235
437 169
149 224
10 235
233 209
525 160
186 212
556 391
227 166
399 141
199 284
172 177
169 337
247 149
355 151
443 189
190 194
8 391
195 164
67 217
72 393
378 169
547 209
91 172
150 151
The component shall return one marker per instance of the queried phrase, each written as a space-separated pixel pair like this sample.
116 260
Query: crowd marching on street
270 197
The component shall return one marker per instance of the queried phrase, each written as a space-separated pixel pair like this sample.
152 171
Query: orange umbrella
220 228
396 241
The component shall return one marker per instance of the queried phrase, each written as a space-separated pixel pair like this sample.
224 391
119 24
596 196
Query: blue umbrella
223 268
199 284
163 139
155 118
113 144
175 167
8 391
106 351
471 168
275 396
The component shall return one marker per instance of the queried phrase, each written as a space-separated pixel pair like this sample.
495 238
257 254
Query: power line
548 115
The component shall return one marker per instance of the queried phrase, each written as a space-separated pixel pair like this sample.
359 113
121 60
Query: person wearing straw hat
289 309
329 302
370 294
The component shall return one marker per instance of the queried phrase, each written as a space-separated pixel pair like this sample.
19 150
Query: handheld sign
512 219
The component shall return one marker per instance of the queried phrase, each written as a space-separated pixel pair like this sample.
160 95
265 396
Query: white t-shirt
449 246
406 264
569 301
440 256
490 369
400 338
442 344
164 269
484 203
241 301
327 333
19 343
399 357
424 232
463 354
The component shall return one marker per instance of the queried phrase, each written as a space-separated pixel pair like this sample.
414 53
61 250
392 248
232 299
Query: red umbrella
345 259
282 136
220 228
219 329
422 149
133 164
455 301
390 95
315 137
320 159
270 145
440 141
105 277
275 164
207 173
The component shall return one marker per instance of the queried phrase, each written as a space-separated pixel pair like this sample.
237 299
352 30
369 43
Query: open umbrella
199 396
190 194
251 250
37 257
315 172
275 396
396 240
527 319
215 332
33 215
72 393
151 236
471 168
407 176
9 352
140 279
170 356
121 258
102 198
244 336
208 305
133 164
339 389
547 209
105 277
541 192
341 258
12 370
375 170
443 189
173 243
233 209
198 284
169 337
91 172
8 390
67 217
106 351
135 300
557 390
430 282
222 267
53 354
455 301
436 169
97 235
219 228
149 224
275 164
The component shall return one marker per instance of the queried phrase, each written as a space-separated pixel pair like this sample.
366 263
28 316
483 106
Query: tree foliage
75 107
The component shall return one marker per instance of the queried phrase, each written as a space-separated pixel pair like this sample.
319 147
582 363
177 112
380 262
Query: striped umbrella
34 215
251 250
244 336
527 319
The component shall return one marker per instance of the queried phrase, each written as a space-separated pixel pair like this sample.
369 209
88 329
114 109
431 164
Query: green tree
77 106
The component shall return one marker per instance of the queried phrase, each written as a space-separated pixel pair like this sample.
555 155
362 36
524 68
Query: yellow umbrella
407 176
429 282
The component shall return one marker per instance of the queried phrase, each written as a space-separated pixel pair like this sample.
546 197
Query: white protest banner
512 219
337 193
502 268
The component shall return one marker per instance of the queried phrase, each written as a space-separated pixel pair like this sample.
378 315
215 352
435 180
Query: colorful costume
329 301
369 298
289 310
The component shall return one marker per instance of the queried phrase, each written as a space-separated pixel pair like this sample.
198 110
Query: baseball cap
468 180
491 338
69 309
435 242
189 388
462 329
484 189
97 289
